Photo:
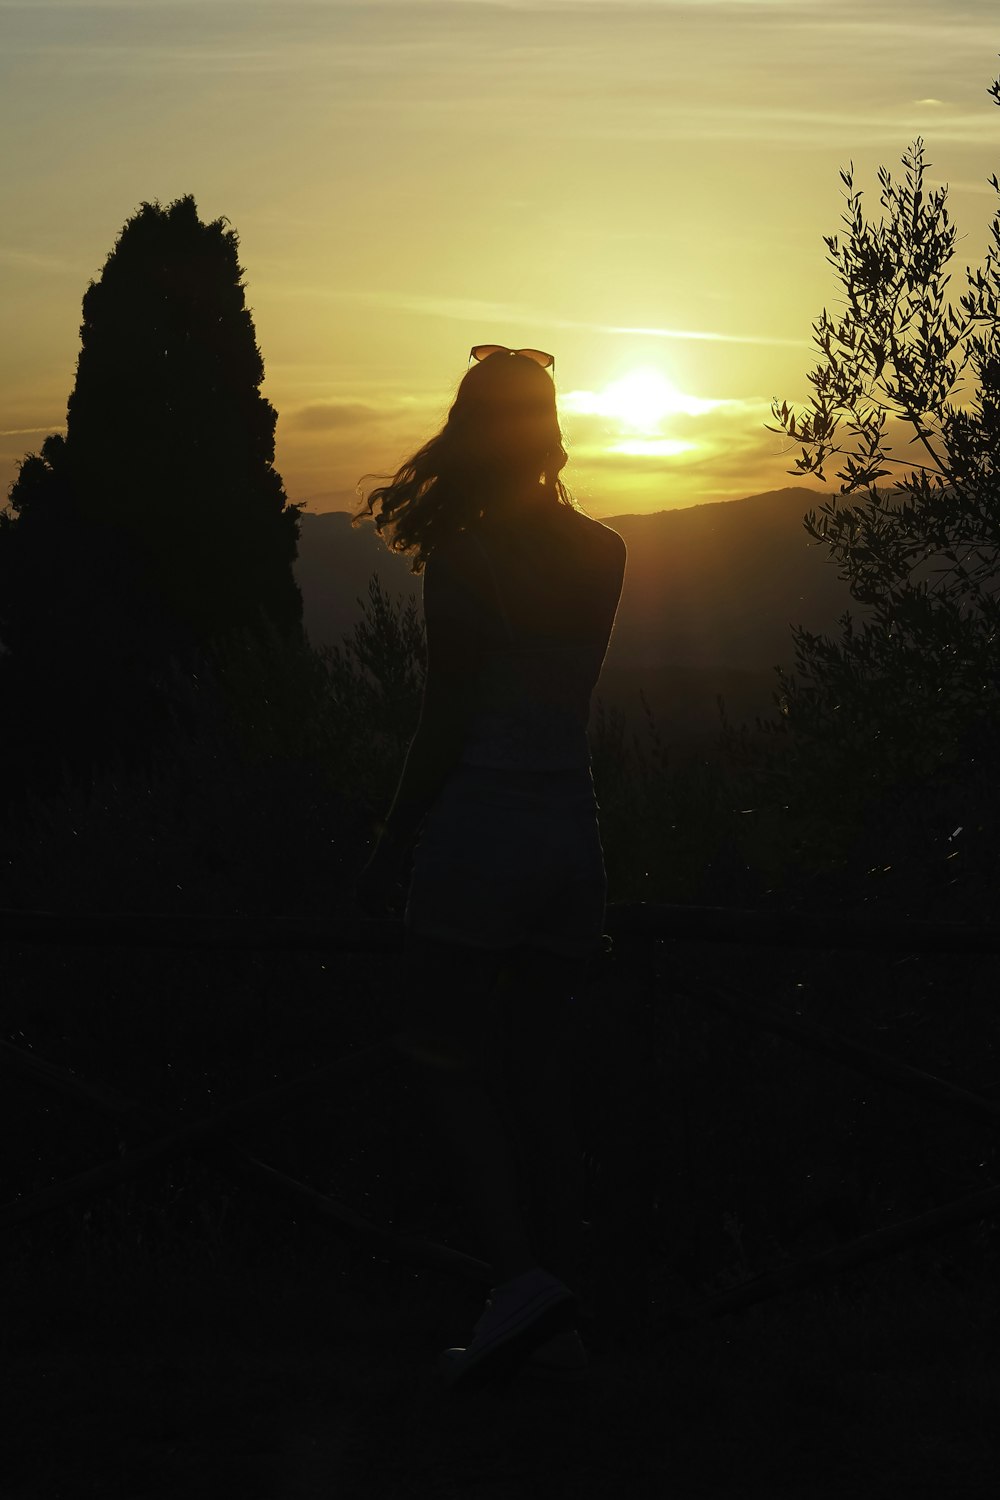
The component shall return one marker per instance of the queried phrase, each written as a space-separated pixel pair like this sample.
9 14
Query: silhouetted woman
520 592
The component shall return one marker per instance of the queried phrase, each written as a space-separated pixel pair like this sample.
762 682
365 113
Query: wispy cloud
477 310
700 335
350 416
24 258
330 416
799 125
619 6
32 431
622 71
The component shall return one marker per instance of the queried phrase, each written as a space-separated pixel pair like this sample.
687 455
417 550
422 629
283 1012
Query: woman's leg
539 992
445 1040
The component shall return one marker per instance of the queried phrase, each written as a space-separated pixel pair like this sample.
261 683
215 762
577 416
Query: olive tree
906 401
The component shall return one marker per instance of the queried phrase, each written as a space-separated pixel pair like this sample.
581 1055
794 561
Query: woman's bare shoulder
604 539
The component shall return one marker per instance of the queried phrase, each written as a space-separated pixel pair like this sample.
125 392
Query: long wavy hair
502 436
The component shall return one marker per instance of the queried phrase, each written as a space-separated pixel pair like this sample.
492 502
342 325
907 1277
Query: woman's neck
525 503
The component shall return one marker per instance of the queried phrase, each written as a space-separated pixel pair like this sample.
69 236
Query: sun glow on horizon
640 400
653 447
637 405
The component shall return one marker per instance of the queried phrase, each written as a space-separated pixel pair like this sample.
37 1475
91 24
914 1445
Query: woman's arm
454 651
453 655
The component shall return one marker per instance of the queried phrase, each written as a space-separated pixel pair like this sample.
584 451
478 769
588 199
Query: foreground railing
210 1138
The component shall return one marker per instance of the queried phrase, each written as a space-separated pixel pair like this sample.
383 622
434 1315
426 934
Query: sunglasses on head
479 352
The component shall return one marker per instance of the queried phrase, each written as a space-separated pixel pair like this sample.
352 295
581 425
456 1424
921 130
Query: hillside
710 593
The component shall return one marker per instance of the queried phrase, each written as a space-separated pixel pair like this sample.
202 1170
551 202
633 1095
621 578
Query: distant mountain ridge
710 594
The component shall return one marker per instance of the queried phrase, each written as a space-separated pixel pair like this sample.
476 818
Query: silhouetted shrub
376 679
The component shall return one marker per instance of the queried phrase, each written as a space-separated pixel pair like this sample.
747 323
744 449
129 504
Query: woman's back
561 574
540 588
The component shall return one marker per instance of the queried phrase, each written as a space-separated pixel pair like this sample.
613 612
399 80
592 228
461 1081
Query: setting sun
635 409
639 401
644 397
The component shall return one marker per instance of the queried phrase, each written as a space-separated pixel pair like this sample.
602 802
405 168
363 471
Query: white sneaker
561 1359
520 1316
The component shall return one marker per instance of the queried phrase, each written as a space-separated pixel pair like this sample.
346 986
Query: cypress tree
159 525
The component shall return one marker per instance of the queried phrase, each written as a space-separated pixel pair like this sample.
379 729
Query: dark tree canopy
158 525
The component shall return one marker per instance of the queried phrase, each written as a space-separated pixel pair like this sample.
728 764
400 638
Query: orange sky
637 187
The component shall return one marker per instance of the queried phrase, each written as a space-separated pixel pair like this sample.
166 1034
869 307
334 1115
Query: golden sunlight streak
653 447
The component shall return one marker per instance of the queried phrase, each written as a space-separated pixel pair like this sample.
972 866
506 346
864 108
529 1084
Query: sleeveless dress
510 852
